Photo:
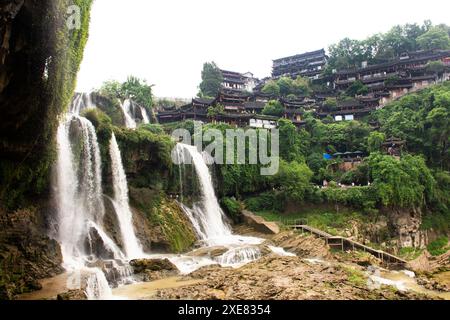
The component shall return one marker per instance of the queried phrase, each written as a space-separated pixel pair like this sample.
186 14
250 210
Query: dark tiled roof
349 103
202 101
303 55
398 61
254 105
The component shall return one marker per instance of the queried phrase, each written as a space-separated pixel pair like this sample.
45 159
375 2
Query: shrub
232 208
439 246
271 201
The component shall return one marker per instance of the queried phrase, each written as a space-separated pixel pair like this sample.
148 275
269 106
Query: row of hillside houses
243 101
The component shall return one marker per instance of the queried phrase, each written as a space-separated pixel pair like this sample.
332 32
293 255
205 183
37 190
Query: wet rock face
142 265
212 252
95 246
111 223
26 253
159 222
405 226
73 295
153 269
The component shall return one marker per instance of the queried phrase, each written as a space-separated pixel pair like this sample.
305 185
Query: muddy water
443 277
147 290
403 281
51 287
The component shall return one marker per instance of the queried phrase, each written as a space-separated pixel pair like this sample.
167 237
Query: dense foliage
416 180
37 82
381 47
422 119
286 86
133 88
273 108
211 80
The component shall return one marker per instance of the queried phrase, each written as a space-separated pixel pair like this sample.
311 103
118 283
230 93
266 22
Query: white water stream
132 247
87 248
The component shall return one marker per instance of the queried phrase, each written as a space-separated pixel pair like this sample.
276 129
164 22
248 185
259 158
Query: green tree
330 104
215 111
436 67
435 38
293 180
212 79
301 86
412 119
356 88
291 144
272 88
375 141
138 90
112 89
438 122
273 108
405 183
285 85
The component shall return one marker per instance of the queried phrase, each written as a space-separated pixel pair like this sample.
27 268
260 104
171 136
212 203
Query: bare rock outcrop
302 245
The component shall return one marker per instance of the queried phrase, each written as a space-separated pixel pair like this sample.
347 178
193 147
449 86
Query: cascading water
87 249
145 118
209 221
127 111
80 203
207 216
80 102
79 186
121 203
239 256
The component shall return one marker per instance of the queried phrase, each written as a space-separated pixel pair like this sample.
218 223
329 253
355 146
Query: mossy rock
167 222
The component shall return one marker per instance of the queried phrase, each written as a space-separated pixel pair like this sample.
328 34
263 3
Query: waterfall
86 248
209 221
97 286
121 203
129 117
79 185
207 217
80 102
145 119
240 256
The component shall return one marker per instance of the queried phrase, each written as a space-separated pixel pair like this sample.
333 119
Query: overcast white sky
167 41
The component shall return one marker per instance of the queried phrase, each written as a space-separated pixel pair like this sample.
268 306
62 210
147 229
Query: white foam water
127 112
209 220
145 118
132 247
79 194
239 256
281 252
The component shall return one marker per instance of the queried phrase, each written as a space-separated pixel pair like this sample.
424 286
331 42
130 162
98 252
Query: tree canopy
133 88
286 86
377 48
212 79
273 108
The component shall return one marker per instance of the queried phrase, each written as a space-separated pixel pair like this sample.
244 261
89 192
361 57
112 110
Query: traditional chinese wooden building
239 81
393 146
385 81
395 78
349 160
308 64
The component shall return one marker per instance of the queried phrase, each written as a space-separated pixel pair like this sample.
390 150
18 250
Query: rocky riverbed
285 278
314 273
